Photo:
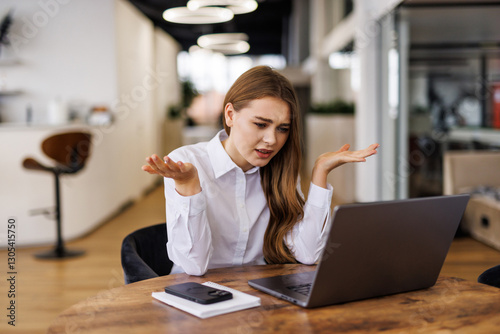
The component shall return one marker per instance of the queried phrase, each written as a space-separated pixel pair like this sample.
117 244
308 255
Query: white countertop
487 136
22 126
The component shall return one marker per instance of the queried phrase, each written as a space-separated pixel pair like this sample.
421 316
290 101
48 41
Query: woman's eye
284 130
260 125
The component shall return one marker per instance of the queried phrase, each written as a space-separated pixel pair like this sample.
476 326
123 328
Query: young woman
236 200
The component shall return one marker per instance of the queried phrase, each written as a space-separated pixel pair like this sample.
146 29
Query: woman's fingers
330 160
181 166
370 150
148 169
156 166
345 156
154 162
166 167
168 163
344 148
151 166
373 147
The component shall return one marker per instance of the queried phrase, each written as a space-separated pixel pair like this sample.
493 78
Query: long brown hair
279 177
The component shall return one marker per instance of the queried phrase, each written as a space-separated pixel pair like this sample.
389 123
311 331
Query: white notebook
240 301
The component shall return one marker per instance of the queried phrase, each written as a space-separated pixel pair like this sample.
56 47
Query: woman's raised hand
331 160
326 162
185 175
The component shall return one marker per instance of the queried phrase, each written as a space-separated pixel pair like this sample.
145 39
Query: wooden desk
452 305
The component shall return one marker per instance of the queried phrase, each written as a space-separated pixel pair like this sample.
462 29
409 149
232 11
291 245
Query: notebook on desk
375 249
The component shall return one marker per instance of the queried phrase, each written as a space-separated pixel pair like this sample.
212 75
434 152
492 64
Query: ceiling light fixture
228 44
203 15
236 6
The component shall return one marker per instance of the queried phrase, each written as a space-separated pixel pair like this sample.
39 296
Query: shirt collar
220 160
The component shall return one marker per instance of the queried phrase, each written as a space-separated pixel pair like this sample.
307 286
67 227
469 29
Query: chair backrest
491 276
144 254
70 149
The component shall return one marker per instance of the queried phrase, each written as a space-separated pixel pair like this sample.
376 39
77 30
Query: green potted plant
176 117
188 93
336 107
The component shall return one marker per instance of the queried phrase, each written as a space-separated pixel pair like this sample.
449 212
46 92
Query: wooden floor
46 288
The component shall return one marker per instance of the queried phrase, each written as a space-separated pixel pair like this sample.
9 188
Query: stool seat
30 163
70 151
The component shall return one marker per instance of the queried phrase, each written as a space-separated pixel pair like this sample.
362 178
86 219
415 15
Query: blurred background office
420 77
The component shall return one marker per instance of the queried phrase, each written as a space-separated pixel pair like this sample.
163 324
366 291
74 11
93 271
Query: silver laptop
375 249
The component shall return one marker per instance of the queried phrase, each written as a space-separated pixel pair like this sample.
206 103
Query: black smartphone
198 293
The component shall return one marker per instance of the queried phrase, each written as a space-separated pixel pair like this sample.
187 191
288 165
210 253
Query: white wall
133 83
64 49
169 91
137 79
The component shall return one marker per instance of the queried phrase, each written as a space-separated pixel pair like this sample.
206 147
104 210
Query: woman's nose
270 137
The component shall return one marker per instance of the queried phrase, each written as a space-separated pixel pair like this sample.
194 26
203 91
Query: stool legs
59 250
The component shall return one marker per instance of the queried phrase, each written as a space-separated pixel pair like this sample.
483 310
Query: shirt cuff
320 197
192 205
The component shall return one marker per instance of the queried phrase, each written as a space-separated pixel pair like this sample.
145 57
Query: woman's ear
229 114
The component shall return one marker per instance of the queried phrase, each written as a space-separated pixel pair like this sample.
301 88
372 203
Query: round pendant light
236 6
203 15
228 44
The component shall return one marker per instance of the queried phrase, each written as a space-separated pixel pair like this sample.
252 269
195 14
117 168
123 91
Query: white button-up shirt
224 224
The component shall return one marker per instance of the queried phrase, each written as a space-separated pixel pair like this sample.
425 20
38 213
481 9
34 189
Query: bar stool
70 151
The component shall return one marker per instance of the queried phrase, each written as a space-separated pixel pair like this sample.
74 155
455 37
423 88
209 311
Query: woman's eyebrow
270 121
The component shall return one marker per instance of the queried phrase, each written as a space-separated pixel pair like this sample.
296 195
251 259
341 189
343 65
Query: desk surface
452 305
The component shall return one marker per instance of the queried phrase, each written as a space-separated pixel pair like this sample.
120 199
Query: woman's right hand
185 175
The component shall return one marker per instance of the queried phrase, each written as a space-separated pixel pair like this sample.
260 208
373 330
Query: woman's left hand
326 162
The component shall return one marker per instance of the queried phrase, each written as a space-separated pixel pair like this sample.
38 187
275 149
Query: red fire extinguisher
496 106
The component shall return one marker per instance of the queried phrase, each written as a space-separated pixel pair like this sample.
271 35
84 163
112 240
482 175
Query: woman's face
258 131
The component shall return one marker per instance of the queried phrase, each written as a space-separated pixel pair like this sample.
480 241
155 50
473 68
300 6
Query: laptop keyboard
304 289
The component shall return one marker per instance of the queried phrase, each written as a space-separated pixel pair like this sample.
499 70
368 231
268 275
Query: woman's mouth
264 154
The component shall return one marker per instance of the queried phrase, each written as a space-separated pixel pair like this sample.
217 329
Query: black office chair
144 254
491 277
70 151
